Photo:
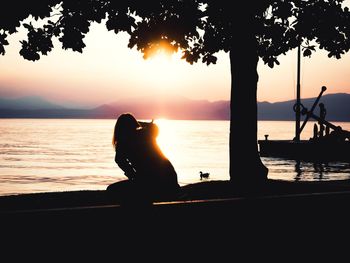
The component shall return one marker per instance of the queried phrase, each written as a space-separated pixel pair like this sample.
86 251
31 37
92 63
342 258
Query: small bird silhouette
203 175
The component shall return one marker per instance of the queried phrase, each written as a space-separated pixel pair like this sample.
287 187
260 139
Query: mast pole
297 112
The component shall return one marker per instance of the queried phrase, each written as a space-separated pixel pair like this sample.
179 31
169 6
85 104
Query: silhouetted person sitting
315 133
151 175
323 113
337 135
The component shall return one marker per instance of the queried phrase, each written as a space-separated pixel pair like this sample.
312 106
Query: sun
160 47
163 52
163 67
161 57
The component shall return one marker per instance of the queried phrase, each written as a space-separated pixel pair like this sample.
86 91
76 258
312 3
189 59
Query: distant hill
174 107
337 105
28 103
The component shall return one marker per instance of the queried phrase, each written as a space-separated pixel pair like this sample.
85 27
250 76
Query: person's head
321 105
125 126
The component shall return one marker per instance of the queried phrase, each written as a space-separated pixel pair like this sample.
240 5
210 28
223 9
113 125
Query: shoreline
201 192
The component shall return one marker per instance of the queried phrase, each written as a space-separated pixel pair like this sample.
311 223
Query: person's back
149 162
155 166
140 157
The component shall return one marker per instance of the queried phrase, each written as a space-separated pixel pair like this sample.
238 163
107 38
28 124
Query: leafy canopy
199 28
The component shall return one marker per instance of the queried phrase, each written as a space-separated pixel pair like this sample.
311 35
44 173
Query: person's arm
150 128
124 164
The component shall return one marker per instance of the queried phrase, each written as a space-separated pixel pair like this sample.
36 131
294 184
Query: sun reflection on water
166 138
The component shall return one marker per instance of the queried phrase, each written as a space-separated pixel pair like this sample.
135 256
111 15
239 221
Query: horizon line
90 106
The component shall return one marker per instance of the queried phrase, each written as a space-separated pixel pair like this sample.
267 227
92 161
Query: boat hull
308 150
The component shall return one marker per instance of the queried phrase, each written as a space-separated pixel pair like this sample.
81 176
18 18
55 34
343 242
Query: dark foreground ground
206 194
278 213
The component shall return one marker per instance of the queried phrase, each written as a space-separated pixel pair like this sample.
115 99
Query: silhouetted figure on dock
315 134
150 174
323 113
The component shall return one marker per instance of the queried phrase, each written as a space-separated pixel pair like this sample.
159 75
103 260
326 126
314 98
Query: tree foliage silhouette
246 30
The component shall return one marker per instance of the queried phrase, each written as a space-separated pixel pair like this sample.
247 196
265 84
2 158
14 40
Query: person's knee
118 186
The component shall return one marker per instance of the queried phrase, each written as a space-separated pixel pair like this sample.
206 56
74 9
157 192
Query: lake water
47 155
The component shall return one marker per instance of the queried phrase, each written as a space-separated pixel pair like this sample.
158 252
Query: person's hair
126 124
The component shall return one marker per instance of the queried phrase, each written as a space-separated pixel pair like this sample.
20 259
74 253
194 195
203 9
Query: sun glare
161 56
166 137
163 69
163 52
162 47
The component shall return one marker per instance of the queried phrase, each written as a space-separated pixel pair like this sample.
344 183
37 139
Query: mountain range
175 107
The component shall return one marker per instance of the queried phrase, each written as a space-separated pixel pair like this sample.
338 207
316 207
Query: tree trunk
245 163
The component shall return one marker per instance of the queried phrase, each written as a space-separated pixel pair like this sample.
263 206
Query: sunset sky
108 71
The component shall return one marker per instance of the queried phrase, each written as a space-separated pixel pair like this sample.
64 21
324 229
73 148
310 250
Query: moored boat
328 143
307 150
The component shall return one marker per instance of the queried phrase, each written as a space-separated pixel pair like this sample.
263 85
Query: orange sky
108 70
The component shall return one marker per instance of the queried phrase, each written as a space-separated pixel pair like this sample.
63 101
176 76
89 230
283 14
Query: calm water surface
46 155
